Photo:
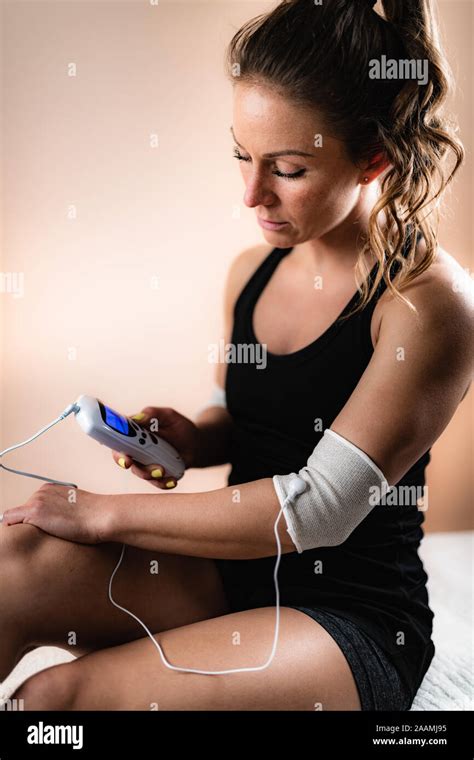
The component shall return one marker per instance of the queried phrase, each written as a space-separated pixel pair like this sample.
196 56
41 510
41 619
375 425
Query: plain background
124 247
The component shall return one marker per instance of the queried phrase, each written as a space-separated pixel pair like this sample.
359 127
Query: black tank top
375 578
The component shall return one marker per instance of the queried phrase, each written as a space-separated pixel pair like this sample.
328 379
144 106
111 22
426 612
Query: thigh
61 589
308 671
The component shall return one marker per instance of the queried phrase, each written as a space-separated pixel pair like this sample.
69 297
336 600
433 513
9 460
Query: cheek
330 199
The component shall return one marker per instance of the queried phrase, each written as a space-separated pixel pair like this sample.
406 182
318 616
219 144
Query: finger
138 417
141 472
123 460
142 417
166 484
145 417
169 483
161 416
156 471
156 474
148 472
164 481
12 516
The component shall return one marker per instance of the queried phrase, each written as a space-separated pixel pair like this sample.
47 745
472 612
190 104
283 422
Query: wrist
123 517
105 518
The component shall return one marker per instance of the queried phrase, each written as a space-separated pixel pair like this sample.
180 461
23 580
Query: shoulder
240 271
442 296
451 282
440 335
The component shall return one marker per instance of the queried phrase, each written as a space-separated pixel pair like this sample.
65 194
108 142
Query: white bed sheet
448 561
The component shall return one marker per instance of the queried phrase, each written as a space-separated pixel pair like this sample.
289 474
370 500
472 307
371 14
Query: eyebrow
289 152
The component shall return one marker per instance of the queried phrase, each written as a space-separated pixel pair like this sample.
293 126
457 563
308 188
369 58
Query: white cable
39 477
68 410
298 485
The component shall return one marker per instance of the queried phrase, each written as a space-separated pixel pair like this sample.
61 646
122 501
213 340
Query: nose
256 192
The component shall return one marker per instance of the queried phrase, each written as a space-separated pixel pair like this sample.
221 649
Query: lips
270 225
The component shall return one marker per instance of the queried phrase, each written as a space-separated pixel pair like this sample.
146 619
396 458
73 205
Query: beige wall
121 301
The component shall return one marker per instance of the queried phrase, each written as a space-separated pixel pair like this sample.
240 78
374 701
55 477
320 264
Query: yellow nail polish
170 484
138 416
121 461
157 473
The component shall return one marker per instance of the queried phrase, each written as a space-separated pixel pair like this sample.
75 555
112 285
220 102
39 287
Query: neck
337 249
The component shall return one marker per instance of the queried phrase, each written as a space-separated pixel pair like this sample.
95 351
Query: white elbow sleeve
217 398
341 486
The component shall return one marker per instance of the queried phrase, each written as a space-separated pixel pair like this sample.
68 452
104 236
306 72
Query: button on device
142 441
153 438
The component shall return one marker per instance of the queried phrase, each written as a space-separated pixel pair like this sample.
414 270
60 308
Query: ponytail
416 141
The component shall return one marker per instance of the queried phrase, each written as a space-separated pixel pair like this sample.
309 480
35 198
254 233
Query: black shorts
378 682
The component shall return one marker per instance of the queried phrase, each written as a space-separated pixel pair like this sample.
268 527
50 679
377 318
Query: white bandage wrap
342 484
217 398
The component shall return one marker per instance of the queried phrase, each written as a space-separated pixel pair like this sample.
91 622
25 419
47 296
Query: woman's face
325 189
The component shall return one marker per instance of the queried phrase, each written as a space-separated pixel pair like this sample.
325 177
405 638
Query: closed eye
294 175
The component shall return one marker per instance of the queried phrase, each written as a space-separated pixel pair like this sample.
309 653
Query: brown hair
318 56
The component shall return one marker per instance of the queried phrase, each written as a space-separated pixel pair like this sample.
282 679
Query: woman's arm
420 370
215 426
236 522
215 423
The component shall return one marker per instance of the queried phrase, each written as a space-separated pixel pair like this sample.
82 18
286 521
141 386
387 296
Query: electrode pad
343 486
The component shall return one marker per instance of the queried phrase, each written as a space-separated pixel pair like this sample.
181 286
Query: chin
272 236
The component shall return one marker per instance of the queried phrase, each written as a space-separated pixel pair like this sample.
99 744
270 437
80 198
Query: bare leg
309 671
55 592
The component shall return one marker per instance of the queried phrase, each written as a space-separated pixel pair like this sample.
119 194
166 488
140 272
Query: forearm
215 427
236 522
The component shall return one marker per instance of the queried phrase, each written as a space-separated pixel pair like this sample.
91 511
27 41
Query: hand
62 511
174 428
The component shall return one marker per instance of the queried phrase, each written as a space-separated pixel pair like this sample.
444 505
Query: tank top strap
254 286
249 294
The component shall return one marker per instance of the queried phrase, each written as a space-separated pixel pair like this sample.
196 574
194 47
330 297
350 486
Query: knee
22 548
55 688
19 541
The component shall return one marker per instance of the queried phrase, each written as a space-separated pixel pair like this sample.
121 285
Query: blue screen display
116 421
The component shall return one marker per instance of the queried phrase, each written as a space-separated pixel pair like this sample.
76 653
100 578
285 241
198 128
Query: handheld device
121 433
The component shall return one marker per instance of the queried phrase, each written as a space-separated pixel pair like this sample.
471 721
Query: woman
342 170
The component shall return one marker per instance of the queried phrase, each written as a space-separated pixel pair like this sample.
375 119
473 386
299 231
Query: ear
376 166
